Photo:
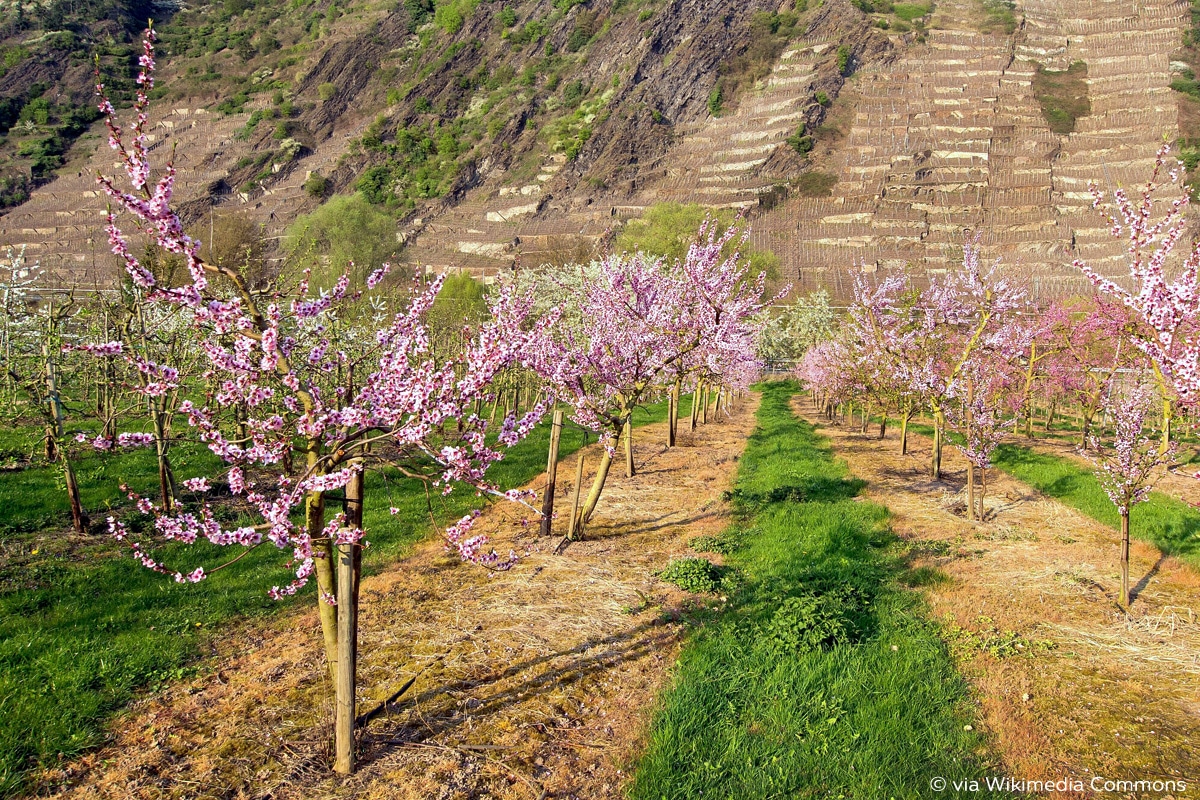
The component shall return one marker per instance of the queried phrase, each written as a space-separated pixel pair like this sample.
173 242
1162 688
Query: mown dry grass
1089 690
532 683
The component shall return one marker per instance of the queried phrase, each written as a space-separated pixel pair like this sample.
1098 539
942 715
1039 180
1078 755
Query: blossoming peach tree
1163 323
279 384
1128 469
641 325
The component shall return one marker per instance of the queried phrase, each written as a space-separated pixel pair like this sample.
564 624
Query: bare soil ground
533 683
1066 684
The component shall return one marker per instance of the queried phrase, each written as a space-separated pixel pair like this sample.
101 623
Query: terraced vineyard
952 139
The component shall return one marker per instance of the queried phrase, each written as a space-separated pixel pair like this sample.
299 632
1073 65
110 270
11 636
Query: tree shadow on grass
814 489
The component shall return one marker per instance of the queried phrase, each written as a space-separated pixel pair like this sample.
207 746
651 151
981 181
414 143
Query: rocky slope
860 134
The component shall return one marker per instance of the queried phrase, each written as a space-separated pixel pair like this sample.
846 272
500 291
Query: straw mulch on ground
1067 685
533 683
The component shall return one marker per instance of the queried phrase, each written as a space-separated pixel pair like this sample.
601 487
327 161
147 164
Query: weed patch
698 575
1062 95
991 640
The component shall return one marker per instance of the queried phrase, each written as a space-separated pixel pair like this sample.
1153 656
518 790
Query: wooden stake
574 523
349 565
629 470
551 471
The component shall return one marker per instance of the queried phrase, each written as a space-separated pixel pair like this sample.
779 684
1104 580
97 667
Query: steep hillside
976 131
48 53
460 118
865 133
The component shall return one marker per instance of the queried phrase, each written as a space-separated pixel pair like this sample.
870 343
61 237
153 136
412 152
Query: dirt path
534 683
1066 684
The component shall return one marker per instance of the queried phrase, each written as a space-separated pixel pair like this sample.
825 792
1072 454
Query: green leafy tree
462 301
792 329
345 229
668 229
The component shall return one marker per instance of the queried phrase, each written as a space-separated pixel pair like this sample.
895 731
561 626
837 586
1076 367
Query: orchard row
973 350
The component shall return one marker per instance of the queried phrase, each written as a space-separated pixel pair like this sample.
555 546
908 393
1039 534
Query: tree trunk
673 414
866 418
935 466
904 434
573 523
1168 417
982 491
349 569
314 522
1049 416
593 497
166 478
970 490
551 471
883 426
695 406
1125 561
79 519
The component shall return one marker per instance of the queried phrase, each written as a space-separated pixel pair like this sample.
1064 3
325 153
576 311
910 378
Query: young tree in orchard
640 323
35 368
1129 468
962 346
269 359
18 279
877 349
989 400
969 311
1164 314
146 337
1085 349
822 370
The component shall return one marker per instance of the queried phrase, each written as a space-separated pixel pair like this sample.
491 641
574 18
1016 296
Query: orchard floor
1179 483
1067 686
537 682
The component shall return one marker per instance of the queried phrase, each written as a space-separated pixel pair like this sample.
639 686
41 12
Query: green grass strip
1168 523
80 635
754 714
